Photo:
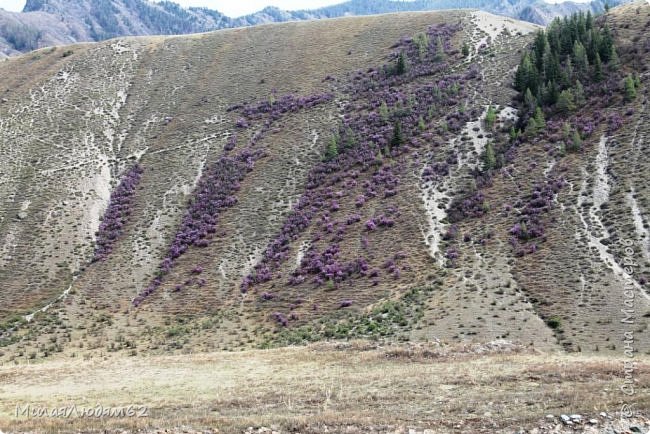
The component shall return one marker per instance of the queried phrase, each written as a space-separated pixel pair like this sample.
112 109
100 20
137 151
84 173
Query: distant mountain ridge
58 22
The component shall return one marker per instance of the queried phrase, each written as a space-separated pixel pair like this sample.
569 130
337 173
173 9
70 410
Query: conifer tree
576 142
530 101
398 137
580 94
490 117
540 121
401 66
614 62
332 149
580 57
489 160
440 48
630 89
565 102
598 68
383 111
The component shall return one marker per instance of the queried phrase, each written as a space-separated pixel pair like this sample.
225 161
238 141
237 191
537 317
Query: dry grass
361 386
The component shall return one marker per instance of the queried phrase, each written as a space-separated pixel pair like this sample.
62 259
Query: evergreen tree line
571 52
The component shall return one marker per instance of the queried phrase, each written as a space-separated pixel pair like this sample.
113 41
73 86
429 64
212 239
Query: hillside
45 23
439 186
286 183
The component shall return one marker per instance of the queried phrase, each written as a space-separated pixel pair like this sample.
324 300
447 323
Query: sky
12 5
232 8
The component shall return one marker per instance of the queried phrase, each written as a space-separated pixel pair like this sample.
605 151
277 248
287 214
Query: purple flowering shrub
529 224
472 206
280 318
214 193
378 99
117 212
326 266
276 108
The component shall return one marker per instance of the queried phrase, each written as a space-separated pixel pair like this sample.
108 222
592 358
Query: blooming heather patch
383 120
217 188
214 193
275 109
529 224
117 213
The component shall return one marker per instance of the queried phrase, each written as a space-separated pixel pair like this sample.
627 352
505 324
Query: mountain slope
305 181
46 23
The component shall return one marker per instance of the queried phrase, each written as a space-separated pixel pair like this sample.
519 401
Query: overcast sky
231 8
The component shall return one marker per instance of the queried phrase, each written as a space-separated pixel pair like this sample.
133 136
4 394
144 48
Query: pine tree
421 40
580 57
630 90
351 138
614 62
526 76
552 93
530 101
540 121
541 48
421 125
598 68
383 111
565 102
514 134
605 44
489 158
440 49
569 70
531 128
401 66
576 142
552 67
398 137
593 45
580 94
332 149
490 117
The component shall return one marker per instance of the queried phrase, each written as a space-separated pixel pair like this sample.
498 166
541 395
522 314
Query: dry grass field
354 387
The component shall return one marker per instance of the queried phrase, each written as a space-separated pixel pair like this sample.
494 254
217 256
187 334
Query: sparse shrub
465 49
554 322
